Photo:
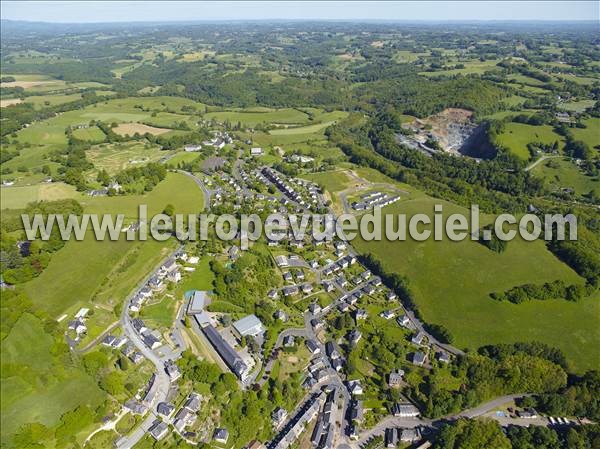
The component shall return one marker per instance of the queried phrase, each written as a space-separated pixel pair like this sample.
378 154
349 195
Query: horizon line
300 19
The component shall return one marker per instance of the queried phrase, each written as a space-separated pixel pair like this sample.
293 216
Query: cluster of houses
219 140
374 199
150 337
305 193
168 271
318 369
139 405
292 430
185 417
324 431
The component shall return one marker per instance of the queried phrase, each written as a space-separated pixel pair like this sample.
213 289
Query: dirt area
454 131
30 84
131 128
10 102
377 44
451 127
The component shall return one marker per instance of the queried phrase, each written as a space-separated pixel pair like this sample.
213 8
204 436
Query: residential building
158 430
221 436
419 358
405 411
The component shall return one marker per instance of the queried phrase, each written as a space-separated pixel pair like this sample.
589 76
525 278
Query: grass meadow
452 281
566 174
517 135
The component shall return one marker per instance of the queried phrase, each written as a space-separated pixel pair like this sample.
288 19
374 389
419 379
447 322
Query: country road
393 421
162 382
540 160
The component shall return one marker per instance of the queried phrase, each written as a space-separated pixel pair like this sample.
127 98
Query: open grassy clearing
559 173
452 281
91 134
310 129
30 158
332 181
477 67
251 118
584 80
42 101
591 134
182 156
161 313
34 82
177 189
18 197
577 106
516 136
125 110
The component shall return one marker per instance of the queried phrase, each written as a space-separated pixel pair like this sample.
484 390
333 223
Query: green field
477 67
577 106
452 281
91 134
310 129
566 174
41 101
247 118
161 313
591 134
37 394
516 136
111 269
332 181
19 197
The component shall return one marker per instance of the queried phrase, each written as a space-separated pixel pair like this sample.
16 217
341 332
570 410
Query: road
392 421
162 384
207 192
540 160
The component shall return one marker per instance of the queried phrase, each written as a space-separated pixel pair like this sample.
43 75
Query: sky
126 11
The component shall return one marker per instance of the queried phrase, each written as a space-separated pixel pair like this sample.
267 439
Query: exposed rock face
453 130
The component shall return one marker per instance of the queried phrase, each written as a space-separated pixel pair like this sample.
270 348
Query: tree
103 177
113 383
169 210
472 434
